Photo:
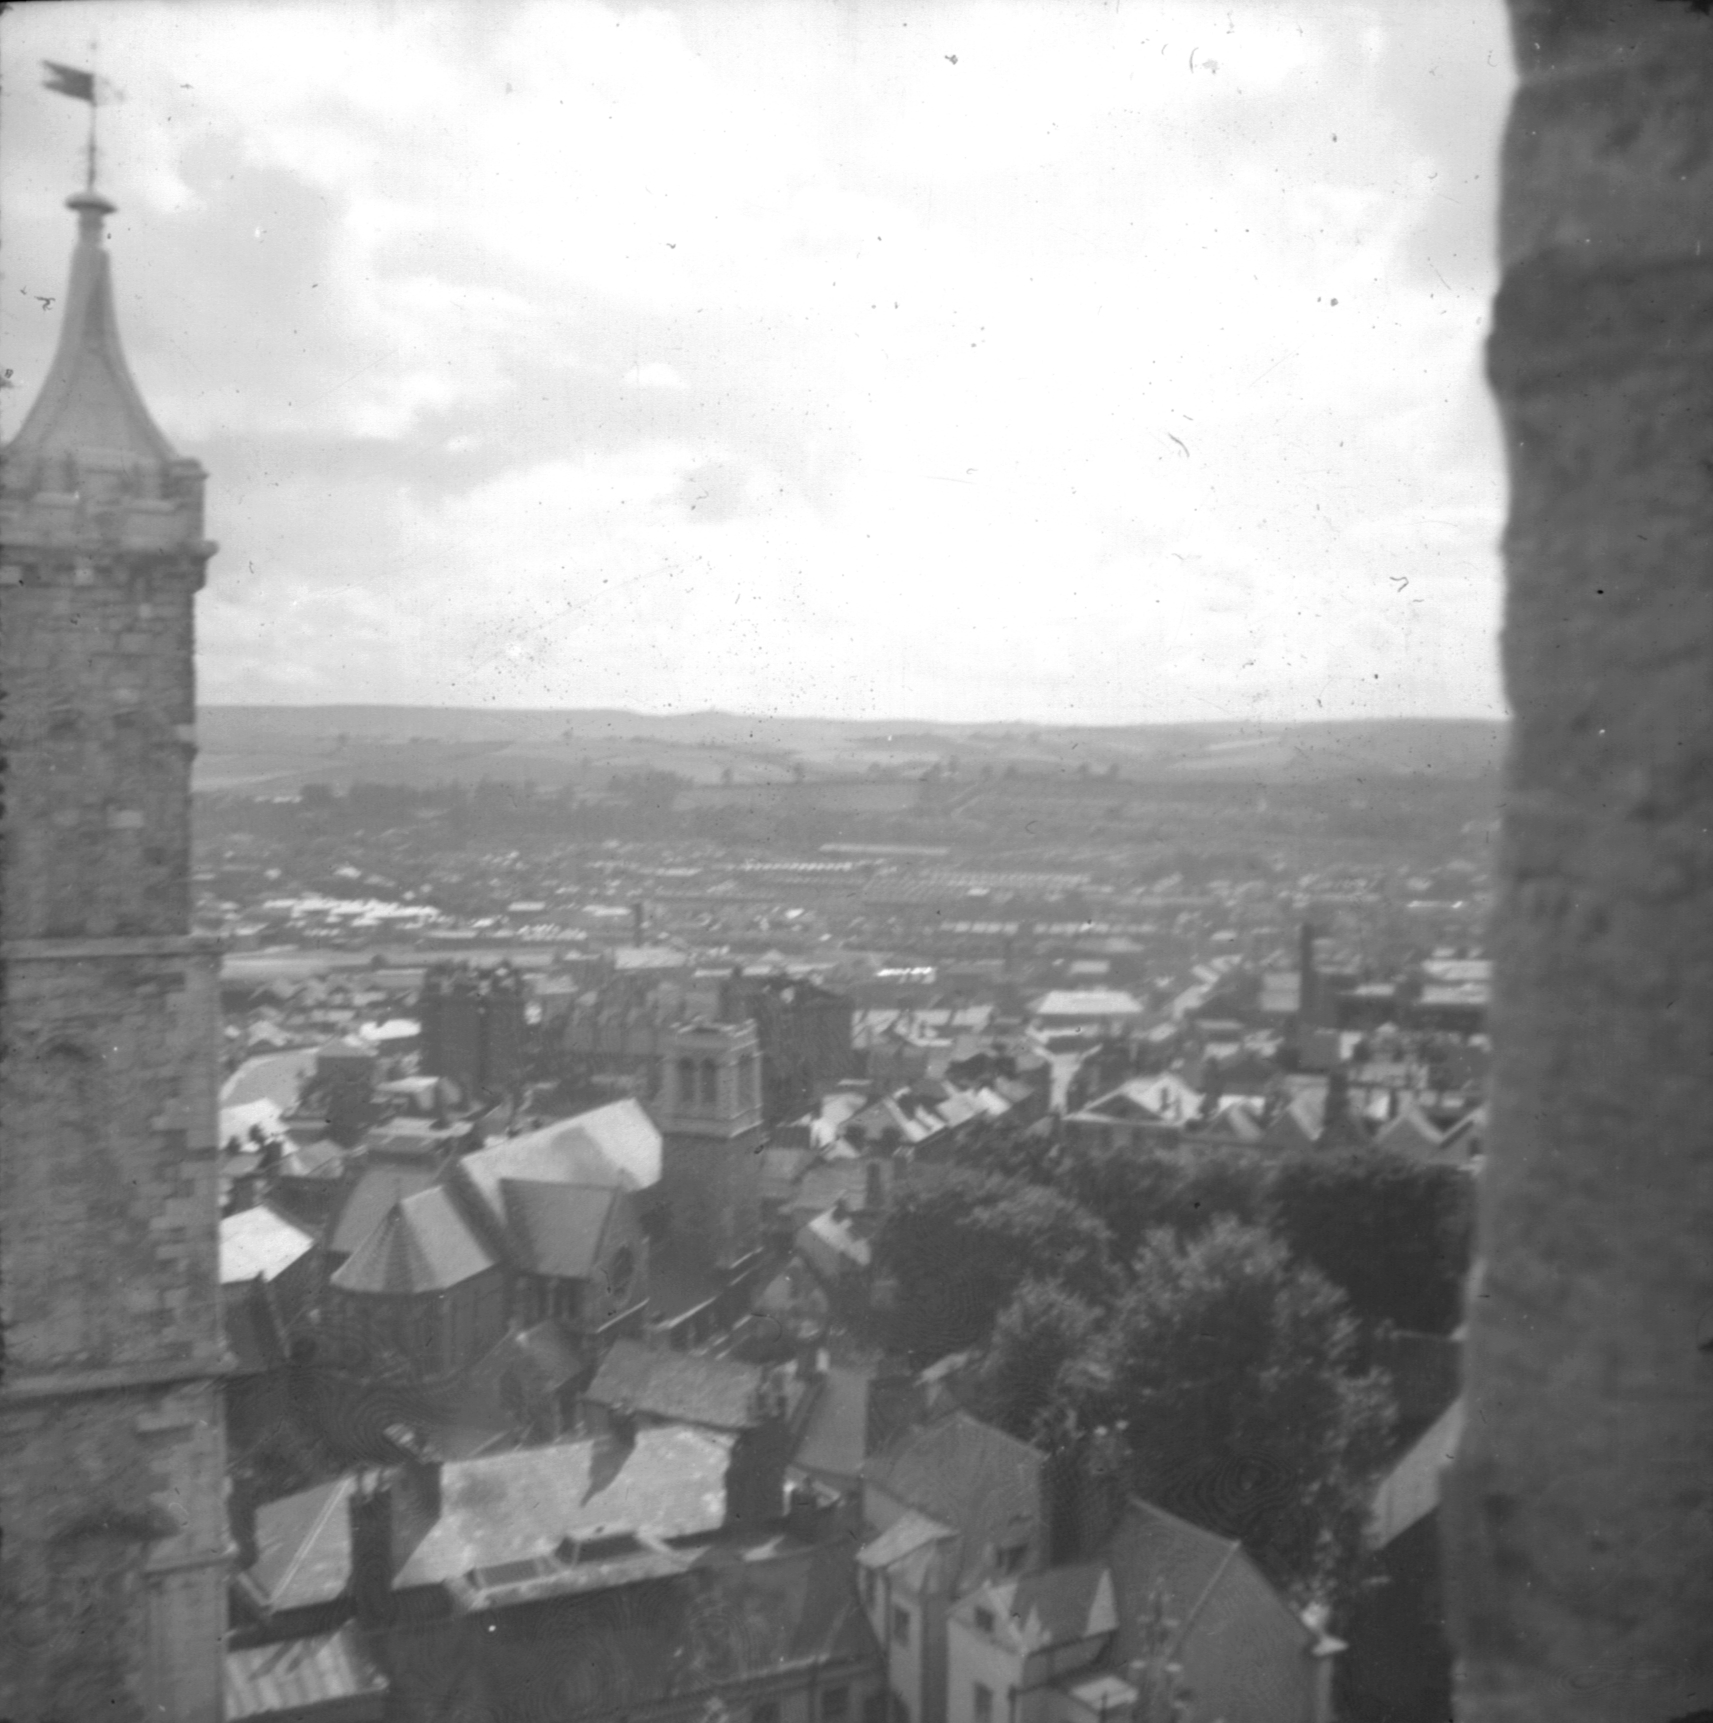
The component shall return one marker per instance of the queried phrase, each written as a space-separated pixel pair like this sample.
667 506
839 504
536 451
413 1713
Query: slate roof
967 1475
833 1443
258 1241
1209 1584
617 1146
1166 1097
556 1229
1056 1607
670 1481
422 1245
734 1616
1410 1491
716 1393
377 1189
1412 1133
324 1669
501 1508
907 1534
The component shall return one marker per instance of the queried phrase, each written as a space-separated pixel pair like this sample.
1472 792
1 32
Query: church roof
423 1245
89 406
556 1228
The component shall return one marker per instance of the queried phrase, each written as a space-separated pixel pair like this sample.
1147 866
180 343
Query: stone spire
89 409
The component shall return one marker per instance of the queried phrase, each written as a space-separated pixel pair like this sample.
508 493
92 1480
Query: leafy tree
962 1247
1394 1235
1040 1334
1133 1191
1233 1371
1006 1149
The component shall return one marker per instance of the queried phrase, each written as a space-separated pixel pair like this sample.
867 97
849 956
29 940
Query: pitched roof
377 1189
1410 1491
906 1535
1207 1582
833 1442
1411 1133
1088 1002
717 1393
556 1229
669 1481
1056 1607
500 1508
737 1615
422 1245
89 406
297 1674
616 1146
258 1241
967 1475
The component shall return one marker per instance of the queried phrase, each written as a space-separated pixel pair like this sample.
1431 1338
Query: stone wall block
1579 1511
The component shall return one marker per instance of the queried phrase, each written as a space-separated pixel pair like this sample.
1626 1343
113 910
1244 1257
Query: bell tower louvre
113 1566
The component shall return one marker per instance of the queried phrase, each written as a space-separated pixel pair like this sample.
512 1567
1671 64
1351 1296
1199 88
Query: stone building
709 1113
113 1569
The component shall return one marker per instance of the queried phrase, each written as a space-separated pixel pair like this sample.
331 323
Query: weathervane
81 87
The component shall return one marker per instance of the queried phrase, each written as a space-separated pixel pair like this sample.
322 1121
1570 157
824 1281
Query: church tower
113 1568
708 1109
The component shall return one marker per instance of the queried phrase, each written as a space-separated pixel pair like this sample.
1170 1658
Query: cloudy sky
1053 359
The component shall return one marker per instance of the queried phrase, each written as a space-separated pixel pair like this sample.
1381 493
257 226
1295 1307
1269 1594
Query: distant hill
274 750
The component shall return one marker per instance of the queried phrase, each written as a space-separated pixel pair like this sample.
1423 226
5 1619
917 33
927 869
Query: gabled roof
963 1473
716 1393
1207 1583
1411 1133
422 1245
376 1191
617 1146
556 1229
1056 1607
906 1535
1298 1125
1166 1097
258 1241
89 407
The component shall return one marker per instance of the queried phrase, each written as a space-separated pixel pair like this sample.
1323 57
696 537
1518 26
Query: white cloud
761 356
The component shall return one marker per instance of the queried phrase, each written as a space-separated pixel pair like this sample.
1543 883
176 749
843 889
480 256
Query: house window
900 1625
870 1586
767 1711
984 1621
983 1703
835 1702
710 1083
1012 1558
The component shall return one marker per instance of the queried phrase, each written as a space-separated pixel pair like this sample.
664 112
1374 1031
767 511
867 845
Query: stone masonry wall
1579 1511
110 1250
119 1535
99 733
